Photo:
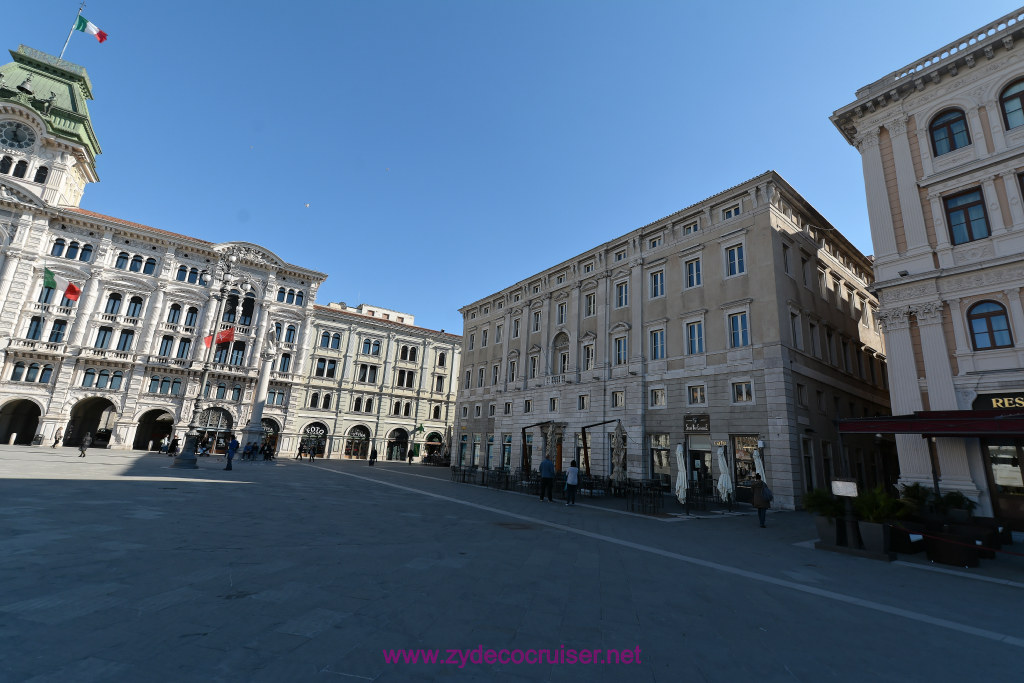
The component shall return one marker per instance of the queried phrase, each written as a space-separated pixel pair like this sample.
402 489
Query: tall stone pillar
254 429
910 200
86 309
262 323
154 316
883 236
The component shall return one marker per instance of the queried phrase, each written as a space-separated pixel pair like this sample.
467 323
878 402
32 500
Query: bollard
10 442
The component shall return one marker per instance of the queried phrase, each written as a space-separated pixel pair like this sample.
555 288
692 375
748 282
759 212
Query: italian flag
66 288
86 26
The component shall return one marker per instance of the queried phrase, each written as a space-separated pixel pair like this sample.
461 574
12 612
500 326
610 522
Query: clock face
16 135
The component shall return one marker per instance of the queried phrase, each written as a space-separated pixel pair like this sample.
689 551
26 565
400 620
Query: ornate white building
942 147
124 362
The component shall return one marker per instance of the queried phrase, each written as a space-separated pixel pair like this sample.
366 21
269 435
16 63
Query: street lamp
186 458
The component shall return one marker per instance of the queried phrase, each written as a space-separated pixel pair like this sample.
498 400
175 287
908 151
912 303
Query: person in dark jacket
373 457
761 498
547 478
86 442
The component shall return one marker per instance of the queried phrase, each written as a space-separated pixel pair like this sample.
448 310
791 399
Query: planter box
874 536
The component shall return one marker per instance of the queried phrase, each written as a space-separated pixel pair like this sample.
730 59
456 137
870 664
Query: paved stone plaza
117 568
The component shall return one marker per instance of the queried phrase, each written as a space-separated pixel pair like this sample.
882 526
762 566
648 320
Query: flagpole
72 30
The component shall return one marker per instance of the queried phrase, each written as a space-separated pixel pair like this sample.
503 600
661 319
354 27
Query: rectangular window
695 395
657 397
694 338
166 345
654 242
618 399
527 406
468 384
796 329
184 348
494 375
693 278
497 334
102 335
741 392
553 405
830 343
534 361
822 284
621 294
480 377
657 344
476 413
439 384
583 403
588 357
563 362
589 305
508 407
511 371
472 341
620 350
801 395
483 339
731 212
465 413
560 313
58 330
560 279
785 259
690 228
124 343
734 260
815 342
657 284
490 410
819 397
368 373
620 255
738 333
805 272
588 267
515 328
536 321
966 217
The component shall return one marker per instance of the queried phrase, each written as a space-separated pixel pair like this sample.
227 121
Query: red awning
941 423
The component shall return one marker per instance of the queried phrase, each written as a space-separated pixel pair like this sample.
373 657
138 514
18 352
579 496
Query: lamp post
186 458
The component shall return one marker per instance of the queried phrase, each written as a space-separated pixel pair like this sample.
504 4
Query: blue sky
448 149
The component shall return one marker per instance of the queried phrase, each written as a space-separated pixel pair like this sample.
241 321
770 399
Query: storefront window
506 451
661 465
743 465
1004 460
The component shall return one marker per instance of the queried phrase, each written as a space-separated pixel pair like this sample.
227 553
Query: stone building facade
742 323
942 147
124 361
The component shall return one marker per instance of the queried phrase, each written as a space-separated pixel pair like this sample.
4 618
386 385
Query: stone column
906 180
86 310
254 429
883 235
207 327
915 460
302 350
994 111
573 316
154 316
1016 315
1013 195
261 333
546 367
995 212
951 451
638 291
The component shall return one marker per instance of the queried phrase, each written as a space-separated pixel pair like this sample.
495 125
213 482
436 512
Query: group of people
547 480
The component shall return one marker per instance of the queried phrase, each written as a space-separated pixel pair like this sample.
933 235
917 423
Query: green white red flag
65 287
86 26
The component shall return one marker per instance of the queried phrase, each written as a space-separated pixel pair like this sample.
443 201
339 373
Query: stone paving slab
115 567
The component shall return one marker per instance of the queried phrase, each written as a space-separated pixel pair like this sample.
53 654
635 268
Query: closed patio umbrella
759 465
724 480
619 453
682 474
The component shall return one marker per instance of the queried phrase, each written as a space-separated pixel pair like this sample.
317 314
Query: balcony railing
39 345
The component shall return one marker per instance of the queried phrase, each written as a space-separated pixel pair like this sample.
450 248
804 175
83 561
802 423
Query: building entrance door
1006 481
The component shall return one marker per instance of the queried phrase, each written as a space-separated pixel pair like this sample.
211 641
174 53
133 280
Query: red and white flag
85 26
222 337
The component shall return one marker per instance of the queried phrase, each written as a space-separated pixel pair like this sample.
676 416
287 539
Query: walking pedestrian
232 447
410 456
373 456
86 442
312 454
547 478
572 482
301 454
57 437
761 499
172 450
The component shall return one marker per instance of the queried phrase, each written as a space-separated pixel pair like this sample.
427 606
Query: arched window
220 355
236 393
314 400
33 372
358 405
397 409
412 354
175 386
326 402
166 344
336 341
441 359
405 353
174 314
86 254
369 405
289 334
437 412
367 345
122 261
222 390
134 307
182 273
5 164
35 328
1012 100
19 371
193 275
113 304
286 362
116 379
41 174
376 348
230 308
136 264
280 294
20 169
277 330
190 316
58 247
949 132
165 386
72 252
248 305
150 266
321 364
103 379
990 328
290 299
238 353
407 409
325 340
46 374
87 379
298 298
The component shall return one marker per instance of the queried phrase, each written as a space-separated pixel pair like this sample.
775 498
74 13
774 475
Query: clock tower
47 144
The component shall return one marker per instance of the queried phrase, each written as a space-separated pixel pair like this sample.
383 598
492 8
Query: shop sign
697 423
1009 399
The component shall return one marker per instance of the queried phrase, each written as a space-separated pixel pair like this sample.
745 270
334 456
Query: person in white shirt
572 482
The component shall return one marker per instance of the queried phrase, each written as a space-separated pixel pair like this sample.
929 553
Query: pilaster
883 234
906 181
